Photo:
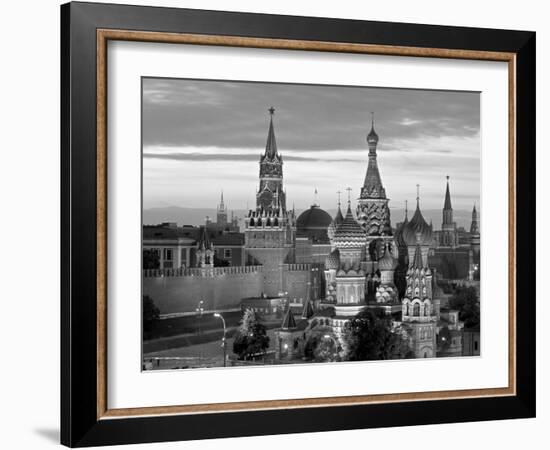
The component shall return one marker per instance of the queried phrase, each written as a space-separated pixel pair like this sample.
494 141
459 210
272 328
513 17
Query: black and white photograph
297 224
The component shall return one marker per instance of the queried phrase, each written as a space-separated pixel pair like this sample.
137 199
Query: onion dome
332 261
313 223
417 231
372 137
349 233
387 262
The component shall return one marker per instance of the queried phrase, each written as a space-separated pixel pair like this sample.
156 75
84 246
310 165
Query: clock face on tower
265 199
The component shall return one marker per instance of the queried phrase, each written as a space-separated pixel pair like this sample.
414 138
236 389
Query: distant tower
474 227
449 234
474 247
221 217
373 212
270 228
418 310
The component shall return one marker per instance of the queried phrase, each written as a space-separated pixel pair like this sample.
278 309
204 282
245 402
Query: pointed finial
338 192
349 195
271 110
417 194
372 119
406 210
315 198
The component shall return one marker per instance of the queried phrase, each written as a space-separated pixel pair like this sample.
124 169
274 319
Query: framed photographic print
277 224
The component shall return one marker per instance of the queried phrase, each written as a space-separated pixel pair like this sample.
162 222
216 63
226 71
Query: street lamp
200 310
224 341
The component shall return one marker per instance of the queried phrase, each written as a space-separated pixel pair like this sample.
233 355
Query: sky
201 137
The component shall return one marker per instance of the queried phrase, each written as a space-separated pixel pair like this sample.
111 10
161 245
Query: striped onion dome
349 233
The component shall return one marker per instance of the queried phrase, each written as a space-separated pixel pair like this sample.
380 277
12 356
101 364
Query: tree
322 349
466 301
251 337
151 259
150 315
371 336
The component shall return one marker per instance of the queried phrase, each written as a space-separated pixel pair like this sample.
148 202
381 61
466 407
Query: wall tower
270 228
449 234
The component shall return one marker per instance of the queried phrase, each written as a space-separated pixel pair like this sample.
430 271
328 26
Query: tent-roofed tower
449 233
373 212
474 254
270 194
270 228
221 213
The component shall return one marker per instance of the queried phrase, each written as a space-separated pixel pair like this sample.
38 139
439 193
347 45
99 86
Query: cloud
230 114
202 136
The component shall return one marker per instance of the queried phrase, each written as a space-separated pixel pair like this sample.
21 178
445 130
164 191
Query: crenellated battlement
299 267
202 271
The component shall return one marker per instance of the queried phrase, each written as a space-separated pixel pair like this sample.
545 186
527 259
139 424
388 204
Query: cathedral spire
372 186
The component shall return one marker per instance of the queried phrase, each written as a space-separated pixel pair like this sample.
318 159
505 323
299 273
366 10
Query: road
208 354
